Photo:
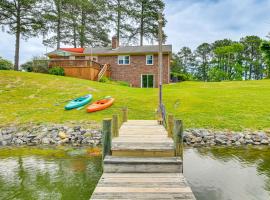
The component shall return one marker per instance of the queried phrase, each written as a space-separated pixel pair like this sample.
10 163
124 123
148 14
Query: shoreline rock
206 137
87 134
50 134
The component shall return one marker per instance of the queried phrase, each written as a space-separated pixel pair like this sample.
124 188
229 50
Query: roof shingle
128 49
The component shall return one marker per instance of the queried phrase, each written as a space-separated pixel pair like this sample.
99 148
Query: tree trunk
18 35
118 19
82 32
59 16
268 71
250 71
74 34
142 24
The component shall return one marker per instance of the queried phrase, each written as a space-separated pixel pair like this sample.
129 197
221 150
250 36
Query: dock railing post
106 137
125 114
170 125
115 126
178 138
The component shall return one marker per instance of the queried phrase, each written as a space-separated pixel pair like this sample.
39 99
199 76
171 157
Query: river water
214 173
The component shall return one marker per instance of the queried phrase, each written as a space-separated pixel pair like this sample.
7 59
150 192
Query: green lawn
29 97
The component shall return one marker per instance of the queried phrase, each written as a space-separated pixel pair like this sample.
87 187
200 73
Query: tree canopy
247 59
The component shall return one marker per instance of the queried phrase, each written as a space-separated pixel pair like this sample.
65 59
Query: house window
147 81
149 59
123 60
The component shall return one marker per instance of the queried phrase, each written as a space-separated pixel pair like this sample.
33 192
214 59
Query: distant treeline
247 59
81 23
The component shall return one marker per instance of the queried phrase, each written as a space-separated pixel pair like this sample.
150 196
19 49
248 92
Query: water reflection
48 177
214 173
228 173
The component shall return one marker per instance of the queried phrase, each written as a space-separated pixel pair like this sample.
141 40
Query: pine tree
93 26
85 23
122 19
147 17
204 55
55 18
22 17
252 57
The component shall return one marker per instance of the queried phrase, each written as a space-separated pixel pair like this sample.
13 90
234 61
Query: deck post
115 126
170 125
178 138
106 137
125 114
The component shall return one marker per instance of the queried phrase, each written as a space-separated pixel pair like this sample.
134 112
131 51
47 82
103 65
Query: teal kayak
79 102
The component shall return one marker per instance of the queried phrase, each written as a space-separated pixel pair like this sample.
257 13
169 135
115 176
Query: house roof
128 49
73 50
110 51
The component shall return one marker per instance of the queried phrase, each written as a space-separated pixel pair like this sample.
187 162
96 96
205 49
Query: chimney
115 42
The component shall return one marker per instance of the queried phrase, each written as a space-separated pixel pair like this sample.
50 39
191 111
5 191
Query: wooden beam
115 126
178 138
125 114
106 137
170 125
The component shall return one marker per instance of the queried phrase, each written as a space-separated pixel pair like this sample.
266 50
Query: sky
190 23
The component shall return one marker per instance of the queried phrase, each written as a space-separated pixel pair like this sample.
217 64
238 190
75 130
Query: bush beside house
59 71
37 64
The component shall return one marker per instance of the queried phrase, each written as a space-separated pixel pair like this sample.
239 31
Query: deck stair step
141 151
115 164
142 138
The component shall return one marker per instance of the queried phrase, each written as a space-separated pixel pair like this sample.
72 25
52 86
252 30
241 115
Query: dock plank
142 166
143 186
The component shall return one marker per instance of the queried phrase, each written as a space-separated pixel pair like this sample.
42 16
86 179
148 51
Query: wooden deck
142 165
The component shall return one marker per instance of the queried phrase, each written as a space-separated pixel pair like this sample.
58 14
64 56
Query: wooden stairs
102 71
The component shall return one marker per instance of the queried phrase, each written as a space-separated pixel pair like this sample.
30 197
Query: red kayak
100 105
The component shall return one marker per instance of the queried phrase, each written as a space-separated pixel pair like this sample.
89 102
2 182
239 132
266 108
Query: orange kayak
100 105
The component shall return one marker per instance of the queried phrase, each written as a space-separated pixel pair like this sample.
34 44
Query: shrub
180 77
104 79
28 66
59 71
5 64
216 75
123 83
37 64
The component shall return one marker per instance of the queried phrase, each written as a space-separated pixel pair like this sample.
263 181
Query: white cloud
190 23
29 48
195 22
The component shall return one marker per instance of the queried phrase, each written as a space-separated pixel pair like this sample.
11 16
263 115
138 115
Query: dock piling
106 137
115 126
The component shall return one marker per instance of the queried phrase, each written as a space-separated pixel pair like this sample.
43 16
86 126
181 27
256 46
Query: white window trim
123 56
152 59
153 80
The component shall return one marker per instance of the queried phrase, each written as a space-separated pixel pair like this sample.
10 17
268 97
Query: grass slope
29 97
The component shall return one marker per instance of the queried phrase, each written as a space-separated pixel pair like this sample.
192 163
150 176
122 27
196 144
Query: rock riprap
202 137
80 135
50 135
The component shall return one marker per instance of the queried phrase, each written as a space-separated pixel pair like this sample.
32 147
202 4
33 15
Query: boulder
62 135
265 142
45 140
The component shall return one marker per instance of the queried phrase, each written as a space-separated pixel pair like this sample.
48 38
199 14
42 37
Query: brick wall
132 73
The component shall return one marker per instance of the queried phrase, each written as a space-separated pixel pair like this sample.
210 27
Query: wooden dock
141 162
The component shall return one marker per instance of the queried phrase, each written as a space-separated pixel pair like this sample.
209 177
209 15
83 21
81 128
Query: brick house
137 65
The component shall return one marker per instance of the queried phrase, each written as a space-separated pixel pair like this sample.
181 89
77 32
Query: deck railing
81 68
73 63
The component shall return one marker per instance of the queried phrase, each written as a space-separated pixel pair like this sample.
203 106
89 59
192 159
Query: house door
147 81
